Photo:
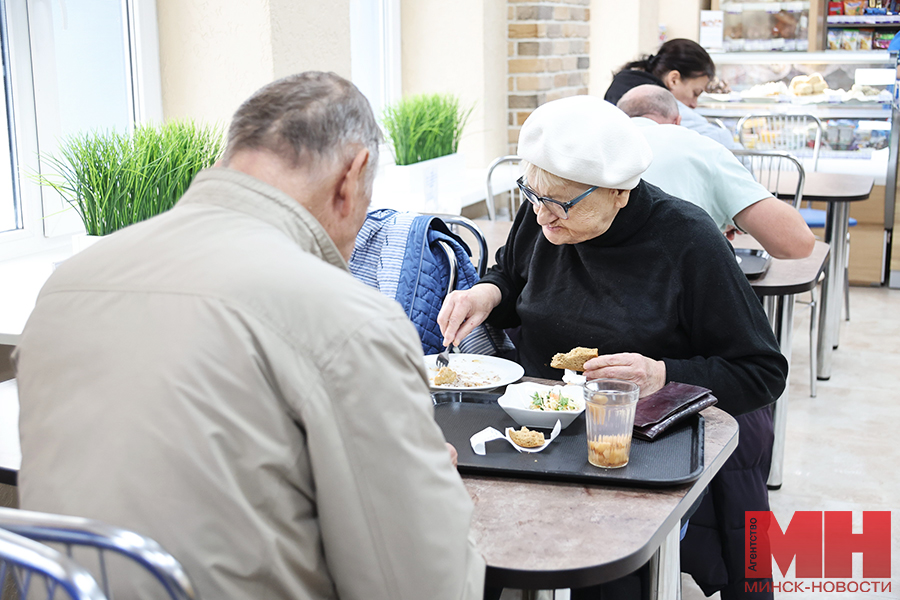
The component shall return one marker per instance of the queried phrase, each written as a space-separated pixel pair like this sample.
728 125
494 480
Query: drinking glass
609 406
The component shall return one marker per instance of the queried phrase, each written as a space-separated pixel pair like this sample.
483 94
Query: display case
857 106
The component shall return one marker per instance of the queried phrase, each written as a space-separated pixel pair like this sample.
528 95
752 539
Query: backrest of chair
782 132
34 570
515 200
779 172
75 532
455 222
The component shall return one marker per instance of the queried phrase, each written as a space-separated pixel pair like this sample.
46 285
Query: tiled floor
842 449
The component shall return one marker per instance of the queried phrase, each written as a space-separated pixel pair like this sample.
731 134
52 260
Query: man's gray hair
649 99
311 116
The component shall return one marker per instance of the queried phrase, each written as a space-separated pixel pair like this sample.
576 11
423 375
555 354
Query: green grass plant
115 179
425 126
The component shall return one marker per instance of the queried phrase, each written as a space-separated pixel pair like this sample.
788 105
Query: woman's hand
465 310
648 374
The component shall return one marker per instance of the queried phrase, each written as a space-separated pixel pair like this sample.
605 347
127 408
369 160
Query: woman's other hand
648 374
465 310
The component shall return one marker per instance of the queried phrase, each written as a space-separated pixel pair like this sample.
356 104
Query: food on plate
766 90
526 437
865 90
466 373
717 86
609 450
573 359
444 376
552 399
807 85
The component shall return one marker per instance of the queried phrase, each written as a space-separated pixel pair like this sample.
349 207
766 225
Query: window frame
142 45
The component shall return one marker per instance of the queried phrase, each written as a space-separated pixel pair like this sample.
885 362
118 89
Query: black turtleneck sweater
662 281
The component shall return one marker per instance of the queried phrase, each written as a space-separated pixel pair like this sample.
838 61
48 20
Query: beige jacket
216 379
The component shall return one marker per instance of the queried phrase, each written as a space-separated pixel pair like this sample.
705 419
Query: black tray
754 263
675 458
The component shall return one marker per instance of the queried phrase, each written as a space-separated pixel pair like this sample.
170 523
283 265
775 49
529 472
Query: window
72 67
375 50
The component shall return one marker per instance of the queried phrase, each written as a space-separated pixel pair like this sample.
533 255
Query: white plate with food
472 372
535 405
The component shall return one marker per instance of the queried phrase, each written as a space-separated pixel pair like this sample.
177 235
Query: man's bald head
650 101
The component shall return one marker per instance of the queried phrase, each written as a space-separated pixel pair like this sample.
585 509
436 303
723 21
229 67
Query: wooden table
547 535
784 279
837 190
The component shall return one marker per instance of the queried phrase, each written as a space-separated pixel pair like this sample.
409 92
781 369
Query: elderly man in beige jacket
216 379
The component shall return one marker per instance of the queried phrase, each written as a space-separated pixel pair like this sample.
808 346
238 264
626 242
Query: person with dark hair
684 68
215 378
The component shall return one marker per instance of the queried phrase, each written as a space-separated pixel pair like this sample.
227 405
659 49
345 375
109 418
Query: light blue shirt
692 167
693 120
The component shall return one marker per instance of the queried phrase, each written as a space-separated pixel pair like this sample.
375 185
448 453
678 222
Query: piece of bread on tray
526 437
573 359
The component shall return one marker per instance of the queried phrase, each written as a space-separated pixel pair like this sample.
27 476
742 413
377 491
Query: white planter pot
80 241
428 186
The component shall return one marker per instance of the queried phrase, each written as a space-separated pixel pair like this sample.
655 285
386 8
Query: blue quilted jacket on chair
400 254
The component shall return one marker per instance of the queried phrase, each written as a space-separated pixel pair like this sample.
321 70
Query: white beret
585 139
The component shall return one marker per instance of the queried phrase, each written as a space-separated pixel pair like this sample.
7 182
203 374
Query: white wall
682 18
460 47
620 32
213 55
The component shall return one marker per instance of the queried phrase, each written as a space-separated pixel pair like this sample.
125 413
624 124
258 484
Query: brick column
548 55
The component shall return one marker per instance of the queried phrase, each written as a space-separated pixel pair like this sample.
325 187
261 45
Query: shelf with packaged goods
829 57
867 21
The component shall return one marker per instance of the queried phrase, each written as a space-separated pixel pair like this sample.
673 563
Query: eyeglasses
557 208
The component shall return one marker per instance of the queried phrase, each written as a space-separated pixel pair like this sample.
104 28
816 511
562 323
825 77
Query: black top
627 79
662 282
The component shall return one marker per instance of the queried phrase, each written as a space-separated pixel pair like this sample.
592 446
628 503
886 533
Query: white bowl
517 399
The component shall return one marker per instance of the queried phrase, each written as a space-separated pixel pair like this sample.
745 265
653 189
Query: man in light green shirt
697 169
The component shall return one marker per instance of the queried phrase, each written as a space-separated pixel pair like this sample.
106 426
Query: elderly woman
599 258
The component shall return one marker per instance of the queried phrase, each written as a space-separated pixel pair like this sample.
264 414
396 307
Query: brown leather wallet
661 410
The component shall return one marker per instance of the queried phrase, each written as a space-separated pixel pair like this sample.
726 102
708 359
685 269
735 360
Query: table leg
780 310
832 287
665 568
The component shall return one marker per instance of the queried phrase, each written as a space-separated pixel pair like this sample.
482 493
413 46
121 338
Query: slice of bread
573 359
526 437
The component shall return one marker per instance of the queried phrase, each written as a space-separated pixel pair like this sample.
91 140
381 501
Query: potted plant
424 133
117 179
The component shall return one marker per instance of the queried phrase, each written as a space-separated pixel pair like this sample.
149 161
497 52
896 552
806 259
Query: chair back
35 570
514 195
781 132
100 538
455 222
779 172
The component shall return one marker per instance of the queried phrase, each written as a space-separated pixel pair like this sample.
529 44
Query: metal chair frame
25 560
794 122
767 169
456 221
796 126
513 205
80 532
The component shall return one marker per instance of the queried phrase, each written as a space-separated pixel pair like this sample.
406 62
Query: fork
443 359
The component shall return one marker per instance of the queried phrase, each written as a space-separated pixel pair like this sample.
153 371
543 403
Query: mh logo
822 542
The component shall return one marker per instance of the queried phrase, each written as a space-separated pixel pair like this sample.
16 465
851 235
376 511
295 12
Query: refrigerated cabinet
862 127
